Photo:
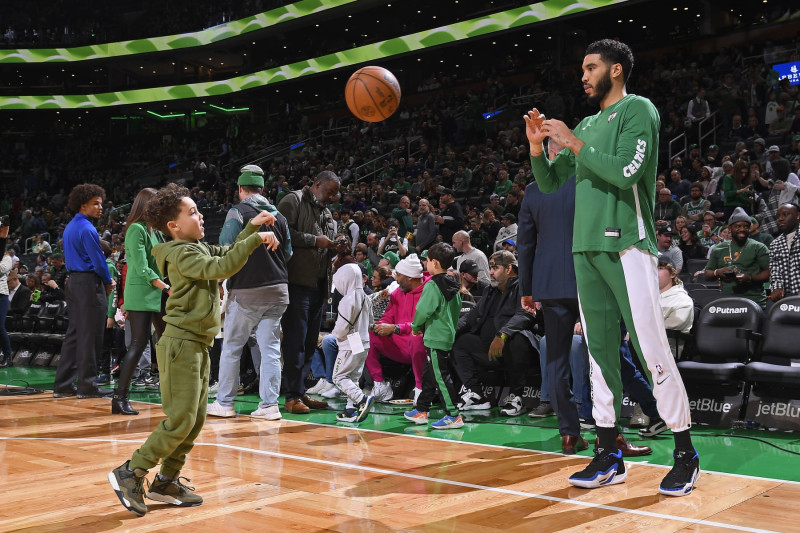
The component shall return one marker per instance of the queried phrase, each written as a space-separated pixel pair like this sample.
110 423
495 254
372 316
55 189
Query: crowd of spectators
464 184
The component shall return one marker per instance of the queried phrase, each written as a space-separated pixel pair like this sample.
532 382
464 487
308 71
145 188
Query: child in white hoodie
352 334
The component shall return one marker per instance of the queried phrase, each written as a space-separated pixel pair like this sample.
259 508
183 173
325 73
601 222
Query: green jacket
307 220
615 177
437 312
111 310
140 294
193 269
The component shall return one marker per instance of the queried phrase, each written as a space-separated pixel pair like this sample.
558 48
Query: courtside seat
780 347
48 315
726 333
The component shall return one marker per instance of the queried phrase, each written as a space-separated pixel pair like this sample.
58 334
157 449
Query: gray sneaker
173 491
128 486
542 410
656 427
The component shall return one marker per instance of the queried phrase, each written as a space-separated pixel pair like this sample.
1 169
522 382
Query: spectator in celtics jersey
614 156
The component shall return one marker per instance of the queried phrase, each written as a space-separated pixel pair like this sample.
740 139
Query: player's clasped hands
263 218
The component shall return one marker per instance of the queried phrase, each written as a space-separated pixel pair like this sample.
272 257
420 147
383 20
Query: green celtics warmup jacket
615 177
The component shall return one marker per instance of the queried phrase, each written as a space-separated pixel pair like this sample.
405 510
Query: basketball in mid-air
372 94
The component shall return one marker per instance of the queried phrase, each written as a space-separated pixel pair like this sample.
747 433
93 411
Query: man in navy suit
547 277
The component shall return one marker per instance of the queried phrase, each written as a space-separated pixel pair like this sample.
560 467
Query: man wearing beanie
258 296
392 336
741 264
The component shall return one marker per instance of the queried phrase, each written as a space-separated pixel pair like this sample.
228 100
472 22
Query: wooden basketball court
294 476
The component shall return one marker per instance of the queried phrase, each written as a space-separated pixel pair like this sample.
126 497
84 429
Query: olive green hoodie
193 269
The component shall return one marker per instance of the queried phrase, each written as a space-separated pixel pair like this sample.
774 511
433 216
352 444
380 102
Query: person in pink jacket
391 335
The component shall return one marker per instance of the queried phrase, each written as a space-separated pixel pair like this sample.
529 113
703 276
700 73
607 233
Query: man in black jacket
19 296
451 218
496 333
311 229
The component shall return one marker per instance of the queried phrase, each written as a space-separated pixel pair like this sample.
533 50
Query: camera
4 220
730 275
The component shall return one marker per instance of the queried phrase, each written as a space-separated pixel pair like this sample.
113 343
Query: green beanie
251 175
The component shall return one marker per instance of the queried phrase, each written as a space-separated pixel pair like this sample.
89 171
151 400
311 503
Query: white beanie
410 266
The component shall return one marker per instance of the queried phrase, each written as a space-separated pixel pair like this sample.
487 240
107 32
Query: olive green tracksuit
193 320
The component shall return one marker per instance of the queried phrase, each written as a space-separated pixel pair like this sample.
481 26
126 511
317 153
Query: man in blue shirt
87 290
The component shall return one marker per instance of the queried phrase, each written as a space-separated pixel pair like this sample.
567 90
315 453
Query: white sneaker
267 413
473 402
321 385
332 392
217 409
382 391
513 406
417 392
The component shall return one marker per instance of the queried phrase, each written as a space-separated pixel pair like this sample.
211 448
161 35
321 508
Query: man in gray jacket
312 232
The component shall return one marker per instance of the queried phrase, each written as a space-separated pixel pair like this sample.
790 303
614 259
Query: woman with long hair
144 285
690 245
737 189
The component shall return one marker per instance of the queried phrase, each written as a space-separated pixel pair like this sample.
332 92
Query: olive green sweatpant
183 367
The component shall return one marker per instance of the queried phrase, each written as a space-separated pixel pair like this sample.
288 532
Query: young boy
193 319
352 335
437 312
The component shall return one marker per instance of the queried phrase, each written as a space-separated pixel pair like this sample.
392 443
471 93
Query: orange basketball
372 94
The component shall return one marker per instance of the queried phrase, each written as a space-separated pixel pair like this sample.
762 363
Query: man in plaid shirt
784 255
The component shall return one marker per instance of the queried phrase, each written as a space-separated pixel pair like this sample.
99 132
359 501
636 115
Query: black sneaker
542 410
587 424
656 427
173 491
128 486
607 468
139 383
151 382
684 474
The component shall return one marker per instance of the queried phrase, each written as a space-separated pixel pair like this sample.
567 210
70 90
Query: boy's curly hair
165 206
82 194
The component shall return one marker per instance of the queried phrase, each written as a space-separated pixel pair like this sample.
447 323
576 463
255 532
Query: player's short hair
613 52
166 206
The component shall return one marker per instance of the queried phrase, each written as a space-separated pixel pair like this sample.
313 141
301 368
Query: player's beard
601 90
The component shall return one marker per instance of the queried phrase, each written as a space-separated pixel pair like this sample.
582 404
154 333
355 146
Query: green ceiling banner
172 42
505 20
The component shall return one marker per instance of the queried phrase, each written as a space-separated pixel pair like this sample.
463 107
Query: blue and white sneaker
416 417
449 422
363 408
607 468
348 415
684 474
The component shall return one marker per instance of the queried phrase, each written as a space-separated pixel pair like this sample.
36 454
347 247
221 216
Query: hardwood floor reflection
291 476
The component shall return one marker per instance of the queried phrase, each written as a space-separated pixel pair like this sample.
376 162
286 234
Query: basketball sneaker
656 427
513 406
382 391
364 407
320 385
128 484
348 415
449 422
684 474
607 468
542 410
173 491
416 417
472 401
